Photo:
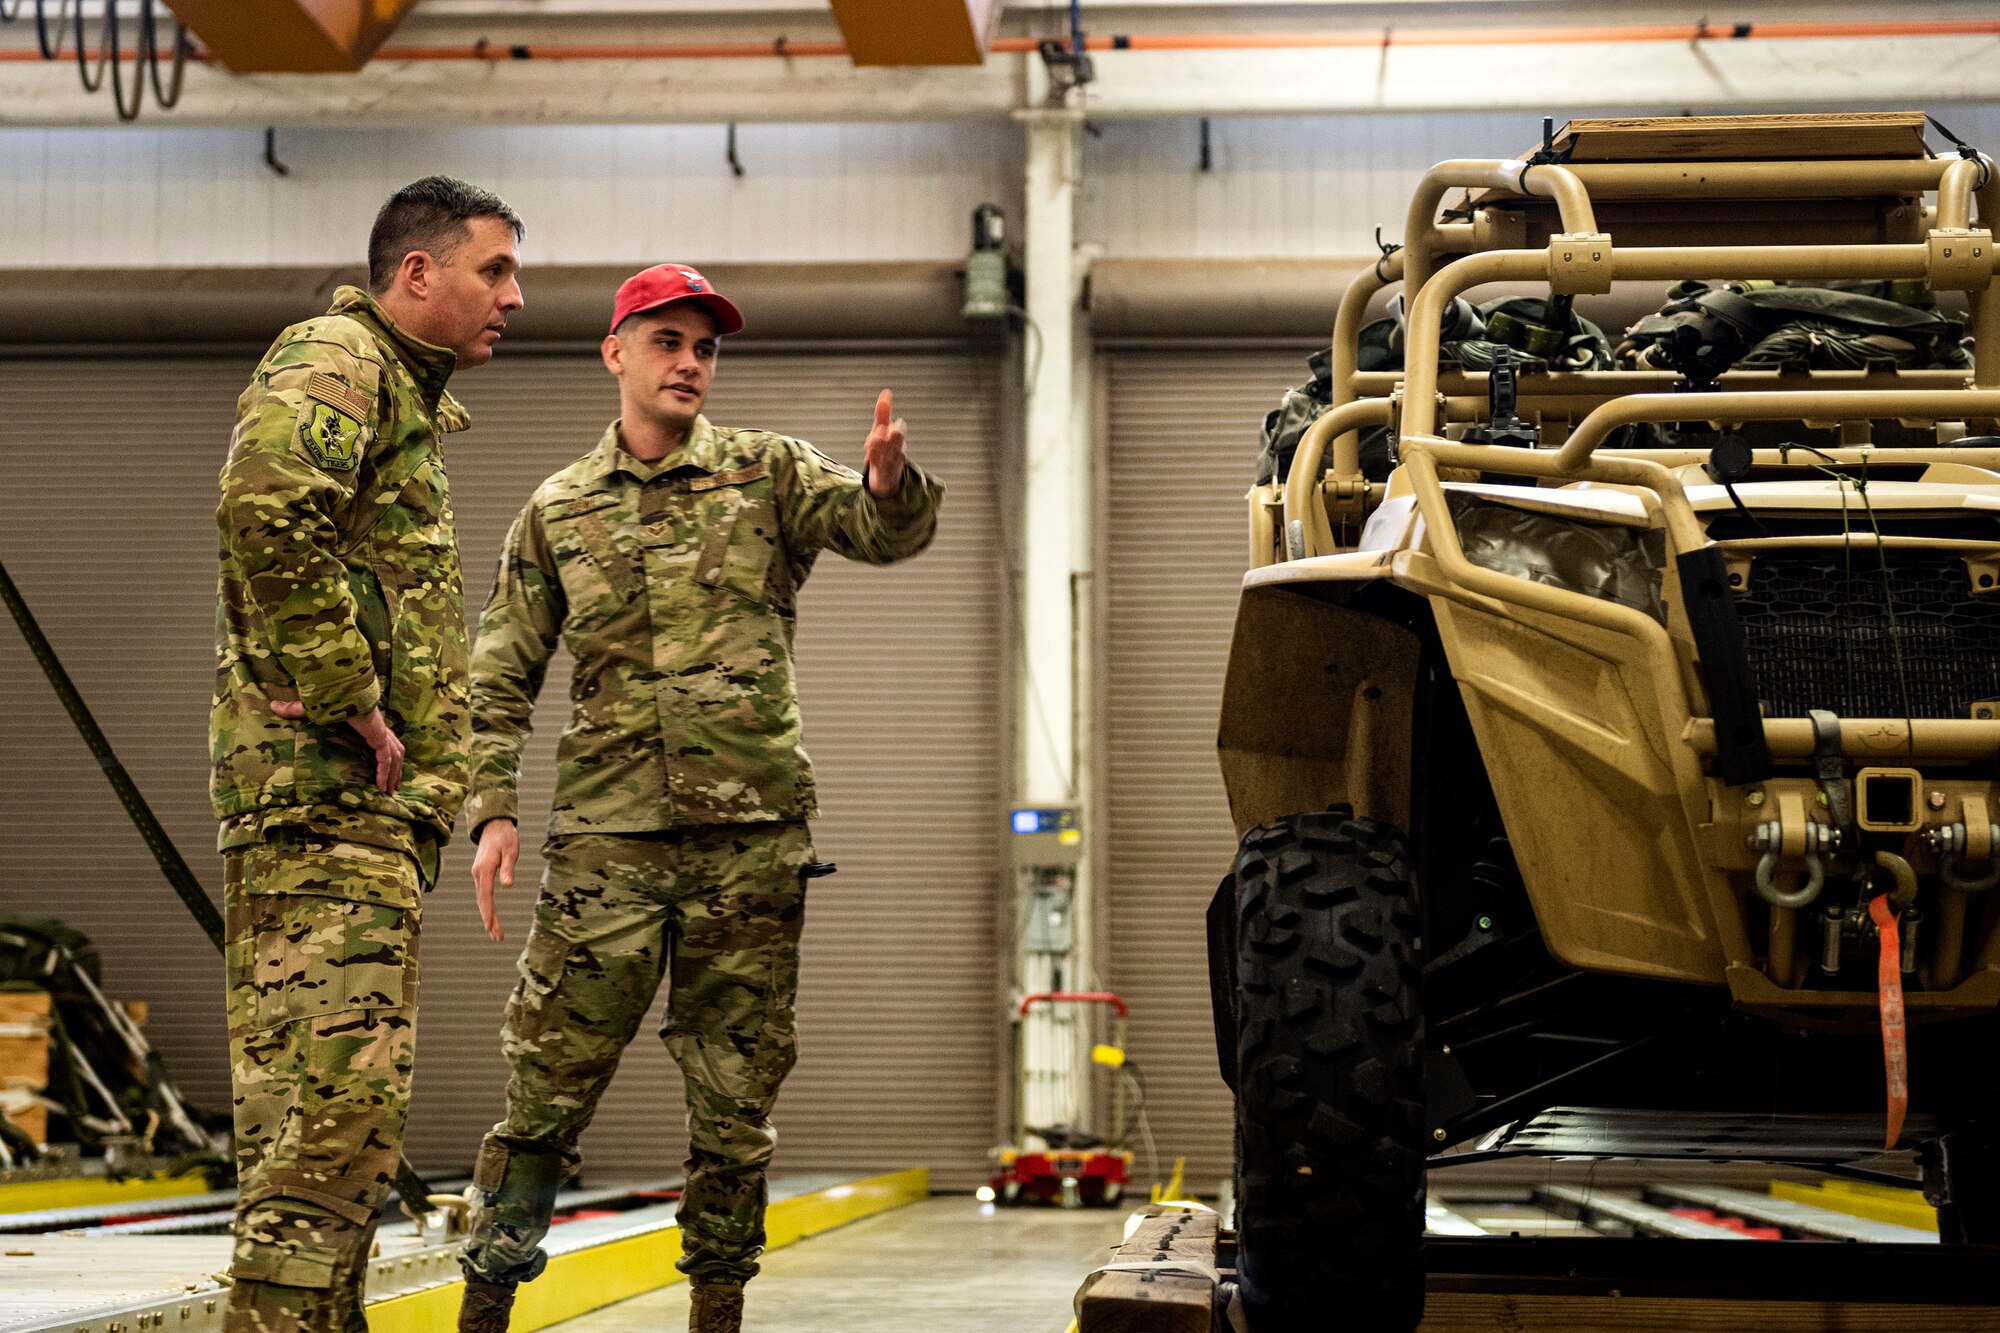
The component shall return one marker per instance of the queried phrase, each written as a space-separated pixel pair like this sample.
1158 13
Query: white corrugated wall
161 196
1280 186
1183 439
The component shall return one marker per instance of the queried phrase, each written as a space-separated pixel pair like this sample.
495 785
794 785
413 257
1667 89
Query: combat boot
485 1306
716 1307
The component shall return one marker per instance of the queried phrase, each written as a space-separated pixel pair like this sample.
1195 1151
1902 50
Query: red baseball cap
664 284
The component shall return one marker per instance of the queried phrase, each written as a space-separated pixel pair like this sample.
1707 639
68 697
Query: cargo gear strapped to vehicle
1615 751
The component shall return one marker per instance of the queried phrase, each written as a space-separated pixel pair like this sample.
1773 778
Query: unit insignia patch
330 436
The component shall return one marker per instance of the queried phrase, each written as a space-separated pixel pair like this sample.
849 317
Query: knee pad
297 1229
517 1197
512 1179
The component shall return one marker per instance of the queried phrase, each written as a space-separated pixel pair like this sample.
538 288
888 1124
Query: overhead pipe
1288 41
782 48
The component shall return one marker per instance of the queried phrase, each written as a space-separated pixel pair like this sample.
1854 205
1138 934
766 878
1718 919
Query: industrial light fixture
986 267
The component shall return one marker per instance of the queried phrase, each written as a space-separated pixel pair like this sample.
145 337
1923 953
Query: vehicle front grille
1818 624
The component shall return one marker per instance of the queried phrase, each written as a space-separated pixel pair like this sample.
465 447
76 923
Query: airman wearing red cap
668 559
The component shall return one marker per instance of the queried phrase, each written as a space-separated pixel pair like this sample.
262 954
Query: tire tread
1331 1116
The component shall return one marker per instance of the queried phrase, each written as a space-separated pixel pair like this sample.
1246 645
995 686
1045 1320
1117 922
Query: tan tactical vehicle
1616 749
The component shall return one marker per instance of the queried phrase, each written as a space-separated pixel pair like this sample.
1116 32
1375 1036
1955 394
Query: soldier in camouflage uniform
669 560
339 736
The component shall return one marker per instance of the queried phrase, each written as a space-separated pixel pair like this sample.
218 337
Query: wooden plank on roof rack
1846 136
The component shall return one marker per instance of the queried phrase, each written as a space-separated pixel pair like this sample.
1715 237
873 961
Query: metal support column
1055 920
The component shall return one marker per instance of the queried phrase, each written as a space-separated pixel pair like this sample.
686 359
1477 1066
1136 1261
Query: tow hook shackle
1904 895
1952 843
1769 839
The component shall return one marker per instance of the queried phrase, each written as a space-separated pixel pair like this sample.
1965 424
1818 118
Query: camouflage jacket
340 584
674 585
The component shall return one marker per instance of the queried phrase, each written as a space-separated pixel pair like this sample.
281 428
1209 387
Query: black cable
50 51
1132 1112
1387 248
1743 510
91 82
183 48
147 55
126 113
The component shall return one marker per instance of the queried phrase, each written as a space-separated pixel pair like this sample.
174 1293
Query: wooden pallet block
24 1060
24 1039
31 1118
1823 136
1155 1302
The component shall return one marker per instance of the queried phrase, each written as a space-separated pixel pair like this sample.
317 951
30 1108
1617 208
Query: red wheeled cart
1059 1164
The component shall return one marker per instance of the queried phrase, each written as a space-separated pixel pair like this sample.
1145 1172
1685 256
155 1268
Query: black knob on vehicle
1730 460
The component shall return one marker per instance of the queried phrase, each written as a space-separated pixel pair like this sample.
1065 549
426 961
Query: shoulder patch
330 436
324 388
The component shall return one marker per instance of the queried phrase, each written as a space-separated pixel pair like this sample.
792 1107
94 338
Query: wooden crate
24 1039
1847 135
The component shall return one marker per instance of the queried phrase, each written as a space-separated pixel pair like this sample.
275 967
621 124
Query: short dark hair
429 215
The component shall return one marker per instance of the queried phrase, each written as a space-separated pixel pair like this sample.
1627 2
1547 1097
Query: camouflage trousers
717 913
321 962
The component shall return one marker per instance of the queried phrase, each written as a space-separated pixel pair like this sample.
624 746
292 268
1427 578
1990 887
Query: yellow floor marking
586 1280
1877 1203
34 1196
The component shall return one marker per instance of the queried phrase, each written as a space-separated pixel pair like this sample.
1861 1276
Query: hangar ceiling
479 62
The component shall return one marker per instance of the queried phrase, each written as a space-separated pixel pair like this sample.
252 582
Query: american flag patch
336 395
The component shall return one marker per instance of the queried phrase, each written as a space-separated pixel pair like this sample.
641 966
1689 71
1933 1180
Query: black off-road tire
1330 1117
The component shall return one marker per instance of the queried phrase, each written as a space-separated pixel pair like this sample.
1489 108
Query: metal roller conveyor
137 1277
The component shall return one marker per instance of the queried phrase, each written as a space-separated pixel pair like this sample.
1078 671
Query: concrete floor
946 1265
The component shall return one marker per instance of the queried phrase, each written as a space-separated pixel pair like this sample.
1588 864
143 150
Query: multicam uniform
340 589
678 845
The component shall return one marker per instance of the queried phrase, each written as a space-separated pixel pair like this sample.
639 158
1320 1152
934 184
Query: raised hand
885 450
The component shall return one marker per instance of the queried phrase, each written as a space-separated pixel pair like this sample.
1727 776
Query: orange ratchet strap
1895 1039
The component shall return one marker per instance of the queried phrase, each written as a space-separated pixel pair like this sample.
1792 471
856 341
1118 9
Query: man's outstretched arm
888 515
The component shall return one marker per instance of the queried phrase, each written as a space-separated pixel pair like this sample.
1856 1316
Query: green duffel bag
1539 333
1702 331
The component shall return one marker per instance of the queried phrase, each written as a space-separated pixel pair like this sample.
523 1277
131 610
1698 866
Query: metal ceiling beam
916 32
292 36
